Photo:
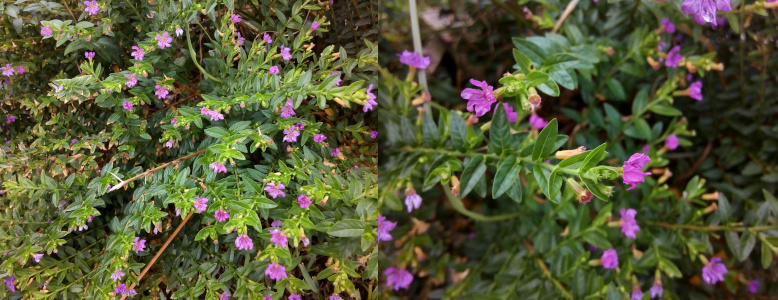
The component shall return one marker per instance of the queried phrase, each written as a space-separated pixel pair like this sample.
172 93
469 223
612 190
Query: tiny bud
711 208
654 64
562 154
711 196
609 51
692 68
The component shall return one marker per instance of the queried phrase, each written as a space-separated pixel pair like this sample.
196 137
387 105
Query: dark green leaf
545 141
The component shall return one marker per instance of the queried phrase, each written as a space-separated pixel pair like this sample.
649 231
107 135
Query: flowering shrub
186 150
550 176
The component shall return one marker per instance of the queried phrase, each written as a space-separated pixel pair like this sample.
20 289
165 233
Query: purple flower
661 46
275 271
266 38
633 170
139 245
479 101
225 296
288 109
216 167
537 122
163 40
278 238
235 19
117 275
268 297
174 121
753 287
669 26
335 151
73 141
200 205
91 7
169 144
335 296
304 201
21 70
714 271
671 142
285 52
373 134
704 10
305 241
221 215
414 59
7 70
399 278
291 134
370 101
241 39
656 290
46 30
294 297
674 58
610 259
179 31
127 105
161 92
130 293
512 115
37 257
244 242
636 294
121 288
384 227
131 80
273 70
319 138
10 283
138 53
11 119
89 55
300 126
277 223
628 224
412 200
695 90
275 190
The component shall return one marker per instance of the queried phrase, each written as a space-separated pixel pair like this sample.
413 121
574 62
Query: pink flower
8 70
674 57
179 31
91 7
512 115
139 245
412 200
89 55
610 259
241 39
273 70
278 238
225 296
200 205
335 152
243 242
669 26
138 53
161 92
695 90
121 288
37 257
304 201
275 190
46 30
291 134
414 59
636 294
10 283
174 121
235 19
656 290
131 80
163 40
479 101
10 119
399 278
127 105
117 275
537 122
294 297
285 53
277 223
221 215
628 224
21 69
319 138
314 25
335 296
704 10
266 38
288 109
370 101
714 271
384 227
633 170
671 142
216 167
753 287
374 134
275 271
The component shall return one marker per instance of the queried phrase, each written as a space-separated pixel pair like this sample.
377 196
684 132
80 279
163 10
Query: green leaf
545 141
216 132
597 238
665 110
522 60
559 62
347 228
458 131
549 88
206 232
767 256
536 77
507 173
747 242
474 170
262 202
500 132
640 101
598 189
614 86
594 157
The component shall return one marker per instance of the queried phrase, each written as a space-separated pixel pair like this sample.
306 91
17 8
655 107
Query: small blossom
288 109
628 224
285 54
221 215
174 121
117 275
753 287
610 259
127 105
169 144
370 101
335 296
656 290
714 271
291 134
243 242
10 119
314 25
277 223
73 141
46 30
9 282
704 10
139 245
91 7
241 39
179 31
537 121
398 278
266 38
278 238
373 134
275 271
414 59
335 151
669 26
130 293
633 170
216 167
161 92
674 57
21 70
225 296
384 227
89 55
275 190
294 297
636 293
695 90
273 70
300 126
304 201
199 204
8 70
163 40
268 297
121 288
512 115
138 53
235 18
305 241
412 200
37 257
479 101
671 142
131 80
661 46
319 138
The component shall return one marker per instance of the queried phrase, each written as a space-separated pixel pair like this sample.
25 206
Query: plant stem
558 284
715 227
458 206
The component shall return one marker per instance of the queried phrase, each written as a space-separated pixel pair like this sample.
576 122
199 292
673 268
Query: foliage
93 163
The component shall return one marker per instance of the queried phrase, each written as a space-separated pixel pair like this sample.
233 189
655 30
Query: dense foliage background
193 127
514 230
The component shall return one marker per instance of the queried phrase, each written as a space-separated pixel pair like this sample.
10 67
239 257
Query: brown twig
567 12
696 165
151 171
159 252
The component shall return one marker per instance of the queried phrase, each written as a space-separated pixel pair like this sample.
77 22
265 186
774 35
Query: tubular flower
479 101
674 57
164 40
275 190
669 26
370 101
633 170
628 224
695 90
671 142
656 290
399 278
221 215
304 201
512 115
384 227
278 238
244 242
610 259
714 271
537 122
412 200
414 59
275 271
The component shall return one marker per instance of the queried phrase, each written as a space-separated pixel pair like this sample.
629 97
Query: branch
567 12
151 171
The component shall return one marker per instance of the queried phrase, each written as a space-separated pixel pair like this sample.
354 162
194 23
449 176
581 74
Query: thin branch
151 171
568 10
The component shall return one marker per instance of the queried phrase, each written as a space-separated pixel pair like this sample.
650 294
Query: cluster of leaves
93 164
599 83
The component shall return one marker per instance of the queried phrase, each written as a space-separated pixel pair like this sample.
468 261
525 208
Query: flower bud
711 208
711 196
691 67
583 195
654 64
562 154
